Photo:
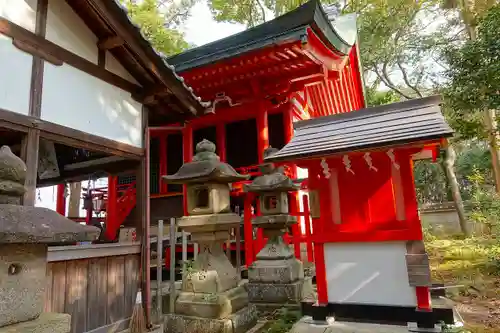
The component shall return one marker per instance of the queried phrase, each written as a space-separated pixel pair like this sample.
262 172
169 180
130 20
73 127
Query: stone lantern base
276 278
211 298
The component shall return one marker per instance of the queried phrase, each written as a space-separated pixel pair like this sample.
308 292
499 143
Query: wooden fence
96 291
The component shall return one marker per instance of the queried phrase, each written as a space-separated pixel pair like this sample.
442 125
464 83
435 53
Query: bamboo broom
137 321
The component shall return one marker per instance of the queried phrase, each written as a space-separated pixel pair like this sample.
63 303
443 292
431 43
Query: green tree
474 84
159 20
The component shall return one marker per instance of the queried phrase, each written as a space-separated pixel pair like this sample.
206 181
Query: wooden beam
57 53
92 163
110 43
70 137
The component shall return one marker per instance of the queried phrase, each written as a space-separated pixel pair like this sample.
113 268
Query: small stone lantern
211 299
24 235
276 277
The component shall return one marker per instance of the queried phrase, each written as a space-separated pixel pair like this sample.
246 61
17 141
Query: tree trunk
455 190
75 194
490 124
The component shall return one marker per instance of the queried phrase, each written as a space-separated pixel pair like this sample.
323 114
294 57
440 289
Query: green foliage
284 320
473 160
474 74
484 202
158 21
376 97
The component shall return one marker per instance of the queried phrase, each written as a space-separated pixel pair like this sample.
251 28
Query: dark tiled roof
283 29
161 56
387 125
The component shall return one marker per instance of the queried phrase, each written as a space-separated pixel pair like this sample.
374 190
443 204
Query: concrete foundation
307 325
45 323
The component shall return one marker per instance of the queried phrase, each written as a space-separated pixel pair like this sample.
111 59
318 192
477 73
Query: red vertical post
187 153
423 298
248 229
319 250
61 199
293 197
262 133
307 224
221 141
112 208
163 164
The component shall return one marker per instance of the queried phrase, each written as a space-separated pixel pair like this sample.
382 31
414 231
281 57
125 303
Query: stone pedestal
24 234
45 323
211 298
276 278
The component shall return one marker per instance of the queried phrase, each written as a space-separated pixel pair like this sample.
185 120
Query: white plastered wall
67 30
77 100
90 105
115 67
15 65
368 273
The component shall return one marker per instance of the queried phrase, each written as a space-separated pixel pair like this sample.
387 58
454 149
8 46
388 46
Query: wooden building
79 85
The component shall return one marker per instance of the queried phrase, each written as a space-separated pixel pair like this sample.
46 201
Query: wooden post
248 229
61 199
307 224
159 271
184 250
221 141
187 153
237 235
173 230
163 164
112 209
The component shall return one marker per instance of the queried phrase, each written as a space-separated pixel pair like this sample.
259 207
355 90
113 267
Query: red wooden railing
121 201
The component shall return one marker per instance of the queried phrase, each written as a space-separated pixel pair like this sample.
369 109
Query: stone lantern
24 235
276 277
211 299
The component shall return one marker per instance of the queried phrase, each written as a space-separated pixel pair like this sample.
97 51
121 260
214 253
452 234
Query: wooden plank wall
95 292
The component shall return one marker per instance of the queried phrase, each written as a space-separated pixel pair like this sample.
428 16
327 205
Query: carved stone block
276 271
239 322
23 280
275 292
208 198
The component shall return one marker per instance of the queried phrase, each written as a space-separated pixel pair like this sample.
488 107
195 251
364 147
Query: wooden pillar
248 229
187 153
31 142
163 164
112 208
319 250
221 141
262 133
293 197
307 225
61 199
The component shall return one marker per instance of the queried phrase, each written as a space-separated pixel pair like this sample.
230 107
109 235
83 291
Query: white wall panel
115 67
90 105
67 30
21 12
368 273
15 77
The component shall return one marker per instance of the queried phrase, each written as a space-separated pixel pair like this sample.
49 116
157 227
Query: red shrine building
369 253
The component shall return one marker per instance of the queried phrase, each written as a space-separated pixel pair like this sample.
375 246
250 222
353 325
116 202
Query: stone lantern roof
205 167
273 179
24 224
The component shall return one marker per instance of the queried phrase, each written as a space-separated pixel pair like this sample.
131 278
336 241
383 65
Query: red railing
121 199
